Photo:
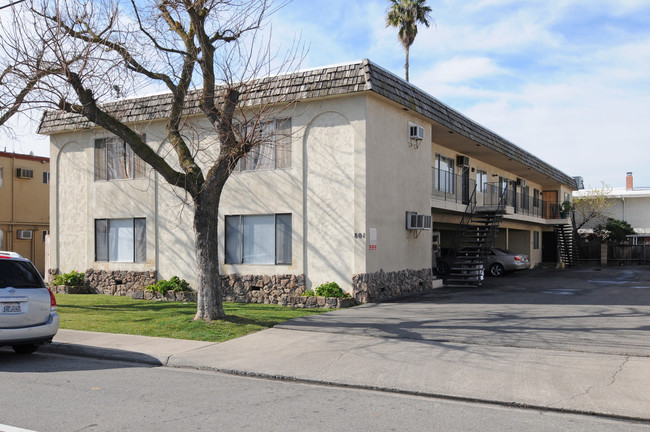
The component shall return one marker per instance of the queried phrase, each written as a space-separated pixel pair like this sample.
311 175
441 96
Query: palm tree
406 14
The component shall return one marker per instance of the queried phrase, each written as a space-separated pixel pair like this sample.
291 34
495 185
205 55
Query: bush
72 279
173 284
309 293
331 289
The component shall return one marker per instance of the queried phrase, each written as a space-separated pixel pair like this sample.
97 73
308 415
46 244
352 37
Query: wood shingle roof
317 83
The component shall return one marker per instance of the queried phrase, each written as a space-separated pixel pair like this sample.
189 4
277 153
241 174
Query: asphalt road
46 392
584 309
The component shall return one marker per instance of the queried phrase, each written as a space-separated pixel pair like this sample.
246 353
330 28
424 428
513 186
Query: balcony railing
453 188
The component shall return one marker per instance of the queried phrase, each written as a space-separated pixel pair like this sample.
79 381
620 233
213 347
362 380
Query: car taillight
52 300
517 258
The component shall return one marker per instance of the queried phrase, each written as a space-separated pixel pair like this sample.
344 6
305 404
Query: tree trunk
406 65
209 296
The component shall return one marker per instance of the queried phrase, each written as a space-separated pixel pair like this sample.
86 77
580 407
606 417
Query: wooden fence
617 254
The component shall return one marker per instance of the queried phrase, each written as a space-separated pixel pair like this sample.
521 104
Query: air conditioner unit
415 221
416 132
24 173
24 234
521 182
462 161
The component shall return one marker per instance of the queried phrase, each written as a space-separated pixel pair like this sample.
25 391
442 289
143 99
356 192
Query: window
45 233
444 174
46 178
525 198
2 170
535 239
481 181
2 240
274 151
535 198
115 160
263 239
121 240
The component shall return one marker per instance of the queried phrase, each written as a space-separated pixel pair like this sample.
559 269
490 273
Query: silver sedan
28 316
501 261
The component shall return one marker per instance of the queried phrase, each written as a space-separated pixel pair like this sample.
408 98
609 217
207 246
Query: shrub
72 279
331 289
309 293
173 284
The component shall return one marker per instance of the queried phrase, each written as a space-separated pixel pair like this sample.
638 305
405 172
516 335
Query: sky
566 80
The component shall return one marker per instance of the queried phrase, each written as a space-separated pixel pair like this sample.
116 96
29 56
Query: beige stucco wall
323 190
325 181
398 180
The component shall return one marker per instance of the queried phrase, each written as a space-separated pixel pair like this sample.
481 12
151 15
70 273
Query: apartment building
24 205
362 181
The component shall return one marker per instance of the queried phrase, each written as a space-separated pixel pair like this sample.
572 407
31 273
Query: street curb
508 404
168 361
104 353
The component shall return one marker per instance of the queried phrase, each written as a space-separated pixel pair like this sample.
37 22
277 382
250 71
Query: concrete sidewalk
594 383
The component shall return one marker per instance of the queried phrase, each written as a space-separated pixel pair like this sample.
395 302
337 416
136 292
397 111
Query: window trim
134 245
481 186
449 186
239 248
137 166
281 124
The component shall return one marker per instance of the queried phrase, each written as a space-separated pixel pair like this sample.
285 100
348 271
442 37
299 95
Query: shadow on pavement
580 309
40 361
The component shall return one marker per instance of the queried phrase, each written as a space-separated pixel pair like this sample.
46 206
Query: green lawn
114 314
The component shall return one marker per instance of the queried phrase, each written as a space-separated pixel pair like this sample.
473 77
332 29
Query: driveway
584 309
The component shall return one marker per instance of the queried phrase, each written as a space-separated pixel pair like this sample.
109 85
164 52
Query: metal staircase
475 236
567 244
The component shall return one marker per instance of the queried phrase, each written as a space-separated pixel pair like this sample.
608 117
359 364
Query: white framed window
121 240
481 180
114 160
258 239
45 233
274 149
46 177
444 174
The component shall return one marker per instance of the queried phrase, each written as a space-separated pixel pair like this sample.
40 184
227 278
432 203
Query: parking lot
586 309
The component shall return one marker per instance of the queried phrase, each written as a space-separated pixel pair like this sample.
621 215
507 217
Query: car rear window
19 274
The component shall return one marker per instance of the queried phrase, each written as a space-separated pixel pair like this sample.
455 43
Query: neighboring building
328 202
25 205
629 203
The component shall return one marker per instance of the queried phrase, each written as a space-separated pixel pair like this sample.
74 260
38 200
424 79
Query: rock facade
368 287
120 282
275 289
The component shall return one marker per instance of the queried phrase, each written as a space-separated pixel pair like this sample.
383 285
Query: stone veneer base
284 290
369 287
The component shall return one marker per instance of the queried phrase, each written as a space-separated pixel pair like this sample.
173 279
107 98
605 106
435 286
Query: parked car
499 261
502 260
28 316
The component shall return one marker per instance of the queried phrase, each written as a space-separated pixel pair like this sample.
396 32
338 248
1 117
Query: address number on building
359 235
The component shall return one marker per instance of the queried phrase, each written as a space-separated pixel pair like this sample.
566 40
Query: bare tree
591 206
73 55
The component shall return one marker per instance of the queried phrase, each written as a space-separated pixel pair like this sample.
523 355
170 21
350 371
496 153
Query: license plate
11 307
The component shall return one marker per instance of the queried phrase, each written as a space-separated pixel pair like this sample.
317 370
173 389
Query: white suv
28 316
